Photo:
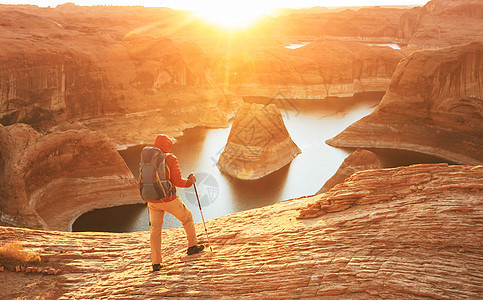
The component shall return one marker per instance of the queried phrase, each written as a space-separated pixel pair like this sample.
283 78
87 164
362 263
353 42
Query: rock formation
73 63
439 23
258 144
410 232
47 181
321 69
359 160
367 24
433 106
442 23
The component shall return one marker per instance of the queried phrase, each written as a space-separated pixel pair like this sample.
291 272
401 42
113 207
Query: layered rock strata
359 160
433 106
321 69
439 23
89 64
366 24
410 232
258 144
442 23
47 181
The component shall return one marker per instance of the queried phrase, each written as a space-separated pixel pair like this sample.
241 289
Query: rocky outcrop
321 69
359 160
433 106
258 144
73 64
442 23
439 23
47 181
411 232
367 24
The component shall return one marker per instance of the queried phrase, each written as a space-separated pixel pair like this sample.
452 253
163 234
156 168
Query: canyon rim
79 83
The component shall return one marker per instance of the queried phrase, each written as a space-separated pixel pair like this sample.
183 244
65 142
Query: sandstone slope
47 181
433 105
410 232
258 144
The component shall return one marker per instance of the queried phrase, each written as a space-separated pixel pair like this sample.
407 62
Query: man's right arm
175 172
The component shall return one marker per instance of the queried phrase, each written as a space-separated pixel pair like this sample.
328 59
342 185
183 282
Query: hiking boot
195 249
157 267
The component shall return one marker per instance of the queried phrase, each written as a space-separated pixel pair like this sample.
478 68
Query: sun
229 15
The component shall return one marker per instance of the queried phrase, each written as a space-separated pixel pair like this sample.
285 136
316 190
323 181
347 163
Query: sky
227 14
199 4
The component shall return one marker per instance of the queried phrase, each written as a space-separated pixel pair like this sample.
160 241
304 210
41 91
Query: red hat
163 142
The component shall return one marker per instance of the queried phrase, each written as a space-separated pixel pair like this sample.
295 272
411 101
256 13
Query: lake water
309 122
301 44
393 46
297 45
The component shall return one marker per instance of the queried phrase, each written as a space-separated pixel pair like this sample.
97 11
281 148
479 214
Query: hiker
171 203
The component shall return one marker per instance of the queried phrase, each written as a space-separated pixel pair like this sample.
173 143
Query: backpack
153 183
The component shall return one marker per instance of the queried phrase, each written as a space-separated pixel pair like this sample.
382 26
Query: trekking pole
203 218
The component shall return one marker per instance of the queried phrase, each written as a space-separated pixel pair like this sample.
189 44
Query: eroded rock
47 181
258 144
442 23
433 106
321 69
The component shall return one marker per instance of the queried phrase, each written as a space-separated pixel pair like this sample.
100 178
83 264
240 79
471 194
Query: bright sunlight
229 15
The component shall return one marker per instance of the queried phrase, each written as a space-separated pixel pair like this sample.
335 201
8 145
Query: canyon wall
48 181
439 23
367 24
410 232
433 106
128 66
321 69
442 23
258 144
74 64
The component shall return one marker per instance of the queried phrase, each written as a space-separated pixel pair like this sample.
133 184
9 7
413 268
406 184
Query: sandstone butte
258 143
433 106
409 232
48 181
359 160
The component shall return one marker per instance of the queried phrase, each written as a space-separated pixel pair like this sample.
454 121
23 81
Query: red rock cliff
433 106
442 23
47 181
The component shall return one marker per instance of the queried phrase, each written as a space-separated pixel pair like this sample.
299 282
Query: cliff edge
409 232
47 181
434 106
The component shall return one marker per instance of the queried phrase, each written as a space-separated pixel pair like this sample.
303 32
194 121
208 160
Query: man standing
172 205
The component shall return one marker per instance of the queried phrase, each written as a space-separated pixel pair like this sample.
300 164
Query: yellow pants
177 208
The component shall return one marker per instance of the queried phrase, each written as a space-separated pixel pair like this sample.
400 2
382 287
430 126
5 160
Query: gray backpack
153 183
